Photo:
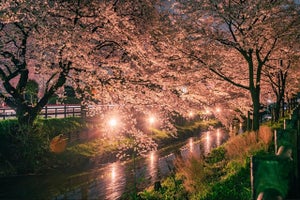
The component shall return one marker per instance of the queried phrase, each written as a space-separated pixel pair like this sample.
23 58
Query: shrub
234 187
172 188
26 150
216 155
194 172
21 149
265 135
241 146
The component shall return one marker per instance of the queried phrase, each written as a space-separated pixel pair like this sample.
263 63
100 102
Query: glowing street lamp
151 120
207 111
112 122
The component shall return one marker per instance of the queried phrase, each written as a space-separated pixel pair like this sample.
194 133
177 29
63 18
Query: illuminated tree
89 45
236 39
282 76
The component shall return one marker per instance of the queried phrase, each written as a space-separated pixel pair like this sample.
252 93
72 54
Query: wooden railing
49 111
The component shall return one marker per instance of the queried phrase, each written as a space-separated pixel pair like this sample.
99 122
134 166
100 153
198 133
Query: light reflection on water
115 181
107 184
152 168
191 144
213 139
110 181
191 149
207 144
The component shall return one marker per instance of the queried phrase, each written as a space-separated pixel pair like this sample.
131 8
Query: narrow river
109 181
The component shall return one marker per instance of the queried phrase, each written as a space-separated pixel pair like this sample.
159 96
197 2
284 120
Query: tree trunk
256 107
27 115
282 108
277 111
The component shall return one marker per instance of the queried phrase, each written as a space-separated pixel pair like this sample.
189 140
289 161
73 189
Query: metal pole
252 178
275 141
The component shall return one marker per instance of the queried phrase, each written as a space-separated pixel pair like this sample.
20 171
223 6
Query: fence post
83 111
65 111
252 178
3 113
46 112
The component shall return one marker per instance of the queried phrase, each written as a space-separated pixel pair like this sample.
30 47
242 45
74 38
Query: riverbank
223 173
91 151
85 148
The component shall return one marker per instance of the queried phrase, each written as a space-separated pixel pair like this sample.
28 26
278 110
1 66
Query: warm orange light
191 144
112 122
151 120
207 111
113 173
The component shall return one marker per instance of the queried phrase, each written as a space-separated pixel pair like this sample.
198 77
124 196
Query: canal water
108 181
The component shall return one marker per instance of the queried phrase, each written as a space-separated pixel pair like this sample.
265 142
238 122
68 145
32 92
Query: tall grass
241 146
225 172
194 173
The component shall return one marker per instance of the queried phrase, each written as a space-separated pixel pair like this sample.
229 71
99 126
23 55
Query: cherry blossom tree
143 56
282 76
34 40
86 44
236 39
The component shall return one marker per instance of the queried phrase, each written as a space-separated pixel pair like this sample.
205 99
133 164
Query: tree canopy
148 56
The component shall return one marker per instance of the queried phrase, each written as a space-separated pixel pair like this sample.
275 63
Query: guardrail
49 111
276 176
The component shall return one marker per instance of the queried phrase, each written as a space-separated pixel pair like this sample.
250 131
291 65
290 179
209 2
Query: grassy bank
222 174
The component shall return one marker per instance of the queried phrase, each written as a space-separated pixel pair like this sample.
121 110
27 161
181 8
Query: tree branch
224 77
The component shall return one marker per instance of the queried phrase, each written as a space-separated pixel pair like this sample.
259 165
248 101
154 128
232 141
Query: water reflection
108 183
207 143
166 164
191 149
115 181
191 144
111 180
213 139
152 166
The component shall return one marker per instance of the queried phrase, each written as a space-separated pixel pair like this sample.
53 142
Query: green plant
26 149
216 155
234 187
172 189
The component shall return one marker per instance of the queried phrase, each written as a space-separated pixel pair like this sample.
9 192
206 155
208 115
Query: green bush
55 126
172 189
216 155
26 150
234 187
20 149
